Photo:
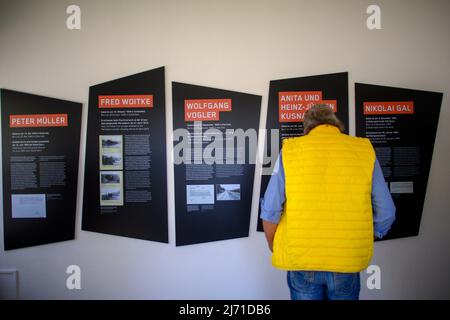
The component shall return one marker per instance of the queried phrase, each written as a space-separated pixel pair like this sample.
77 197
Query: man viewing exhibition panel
326 202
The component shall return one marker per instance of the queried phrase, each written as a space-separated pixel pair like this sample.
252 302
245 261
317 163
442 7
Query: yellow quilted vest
327 223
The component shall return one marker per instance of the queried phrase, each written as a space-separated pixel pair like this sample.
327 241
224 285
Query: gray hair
321 114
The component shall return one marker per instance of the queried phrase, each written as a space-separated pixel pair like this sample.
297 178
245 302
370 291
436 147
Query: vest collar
324 129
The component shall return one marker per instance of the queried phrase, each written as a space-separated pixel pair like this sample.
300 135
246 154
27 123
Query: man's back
327 224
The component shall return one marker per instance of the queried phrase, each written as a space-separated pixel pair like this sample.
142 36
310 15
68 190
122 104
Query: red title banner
126 101
205 109
389 107
38 120
292 105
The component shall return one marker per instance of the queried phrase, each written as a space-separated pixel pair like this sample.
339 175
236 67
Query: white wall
237 45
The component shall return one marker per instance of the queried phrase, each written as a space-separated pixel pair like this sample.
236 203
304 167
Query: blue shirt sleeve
382 203
272 205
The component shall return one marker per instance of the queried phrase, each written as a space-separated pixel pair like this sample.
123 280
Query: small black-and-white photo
111 141
110 194
228 192
111 159
110 177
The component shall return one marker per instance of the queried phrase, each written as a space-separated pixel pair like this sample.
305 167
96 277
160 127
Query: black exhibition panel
40 149
125 186
213 198
401 124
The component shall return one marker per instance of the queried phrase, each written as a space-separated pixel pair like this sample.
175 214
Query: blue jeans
320 285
